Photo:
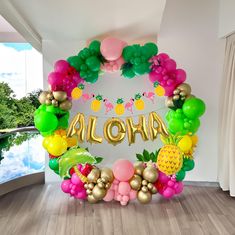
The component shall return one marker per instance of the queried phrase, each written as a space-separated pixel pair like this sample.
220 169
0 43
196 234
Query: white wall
189 34
226 18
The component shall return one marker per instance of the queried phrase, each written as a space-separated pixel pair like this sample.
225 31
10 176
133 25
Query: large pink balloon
124 188
123 170
111 48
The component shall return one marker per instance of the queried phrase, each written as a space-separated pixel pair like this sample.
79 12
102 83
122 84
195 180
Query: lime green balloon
188 164
195 124
95 45
45 121
54 164
176 126
64 121
194 108
75 62
180 175
93 63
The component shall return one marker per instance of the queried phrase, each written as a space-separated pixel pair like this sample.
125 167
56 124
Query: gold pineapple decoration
170 157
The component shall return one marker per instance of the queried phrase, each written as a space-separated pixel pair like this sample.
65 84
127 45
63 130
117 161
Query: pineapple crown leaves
147 156
120 101
81 86
99 97
98 159
155 84
137 96
171 139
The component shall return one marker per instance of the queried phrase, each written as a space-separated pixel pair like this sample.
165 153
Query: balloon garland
157 172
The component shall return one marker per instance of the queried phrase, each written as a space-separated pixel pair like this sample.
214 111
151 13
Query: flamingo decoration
86 97
108 106
129 105
149 95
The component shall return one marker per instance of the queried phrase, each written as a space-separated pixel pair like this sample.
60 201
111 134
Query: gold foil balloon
60 95
160 129
66 105
107 174
91 135
133 129
43 97
80 131
108 127
144 197
94 175
98 193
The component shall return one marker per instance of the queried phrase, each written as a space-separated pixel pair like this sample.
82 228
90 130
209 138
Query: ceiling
84 19
5 27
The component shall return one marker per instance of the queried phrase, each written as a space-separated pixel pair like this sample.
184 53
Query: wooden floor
44 209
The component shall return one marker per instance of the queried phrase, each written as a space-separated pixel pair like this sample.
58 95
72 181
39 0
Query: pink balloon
125 198
154 77
180 76
111 48
178 187
109 195
163 178
55 79
76 180
170 65
123 170
61 66
168 193
124 188
65 186
133 194
81 194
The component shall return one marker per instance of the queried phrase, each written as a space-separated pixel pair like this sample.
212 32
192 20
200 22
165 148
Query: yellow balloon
194 139
57 145
108 135
185 144
46 141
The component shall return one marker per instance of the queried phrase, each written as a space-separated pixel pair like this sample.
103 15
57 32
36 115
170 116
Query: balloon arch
161 171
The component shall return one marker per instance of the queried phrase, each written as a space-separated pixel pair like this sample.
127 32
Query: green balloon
95 45
54 164
75 62
194 108
195 124
93 63
176 126
45 121
142 68
92 77
150 49
64 121
128 53
169 115
180 175
128 73
188 164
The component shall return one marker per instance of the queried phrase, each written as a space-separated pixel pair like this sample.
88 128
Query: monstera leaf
73 157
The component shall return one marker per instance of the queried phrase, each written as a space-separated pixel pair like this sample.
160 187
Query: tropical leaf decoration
147 156
73 157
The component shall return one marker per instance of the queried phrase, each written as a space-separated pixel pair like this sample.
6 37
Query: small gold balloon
169 102
144 182
135 182
176 92
150 186
107 185
144 189
88 191
107 174
66 105
91 185
54 103
144 197
98 193
43 96
49 96
185 87
153 190
91 199
60 95
176 97
139 168
101 185
94 175
86 186
150 174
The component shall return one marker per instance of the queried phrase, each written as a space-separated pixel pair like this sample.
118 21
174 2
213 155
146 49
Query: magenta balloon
76 180
169 89
163 56
178 187
123 170
163 178
77 78
168 192
155 77
65 186
81 194
111 48
180 76
55 79
170 65
61 66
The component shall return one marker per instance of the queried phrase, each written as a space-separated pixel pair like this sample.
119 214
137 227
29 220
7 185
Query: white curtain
226 169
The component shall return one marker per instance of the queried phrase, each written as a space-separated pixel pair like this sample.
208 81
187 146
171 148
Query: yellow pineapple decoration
96 103
119 108
139 103
77 92
159 90
170 157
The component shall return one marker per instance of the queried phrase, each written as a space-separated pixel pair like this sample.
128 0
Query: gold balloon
98 193
153 190
150 174
66 105
48 101
91 199
91 135
60 95
43 96
144 197
54 102
160 129
78 119
135 182
108 135
94 175
169 102
140 128
185 87
107 174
